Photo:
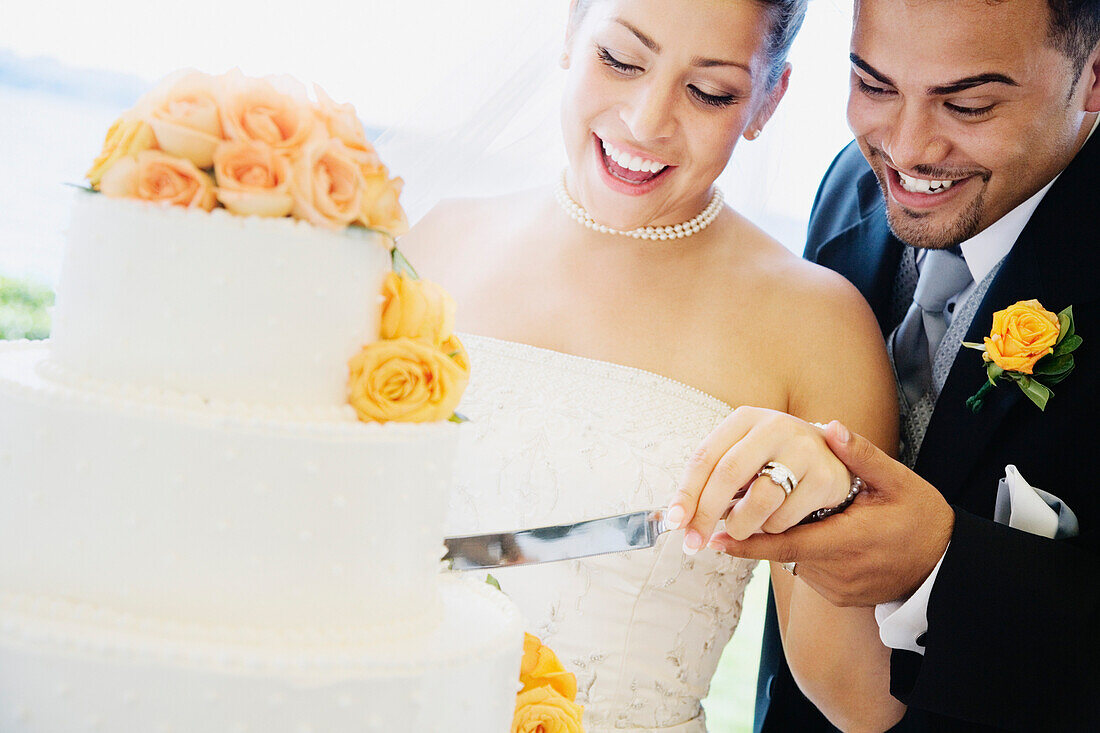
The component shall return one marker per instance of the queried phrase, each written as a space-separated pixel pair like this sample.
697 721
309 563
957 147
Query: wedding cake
198 530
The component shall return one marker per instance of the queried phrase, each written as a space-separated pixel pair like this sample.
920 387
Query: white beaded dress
556 438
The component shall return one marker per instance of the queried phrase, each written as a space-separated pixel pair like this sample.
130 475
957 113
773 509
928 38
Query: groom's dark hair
1075 29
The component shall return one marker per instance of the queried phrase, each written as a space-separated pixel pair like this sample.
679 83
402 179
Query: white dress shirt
901 623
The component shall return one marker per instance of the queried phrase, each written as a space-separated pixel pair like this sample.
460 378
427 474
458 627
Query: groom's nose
911 138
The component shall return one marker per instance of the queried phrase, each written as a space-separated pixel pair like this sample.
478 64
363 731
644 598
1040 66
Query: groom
993 626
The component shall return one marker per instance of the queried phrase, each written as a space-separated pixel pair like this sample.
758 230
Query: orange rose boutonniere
1030 346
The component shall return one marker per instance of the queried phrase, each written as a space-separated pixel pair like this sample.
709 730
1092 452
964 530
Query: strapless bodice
555 438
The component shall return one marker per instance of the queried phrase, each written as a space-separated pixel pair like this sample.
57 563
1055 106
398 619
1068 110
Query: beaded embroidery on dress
556 438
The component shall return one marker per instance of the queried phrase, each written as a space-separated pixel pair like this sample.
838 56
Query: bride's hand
729 460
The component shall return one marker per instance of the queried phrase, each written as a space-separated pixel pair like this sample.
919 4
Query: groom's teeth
923 185
631 162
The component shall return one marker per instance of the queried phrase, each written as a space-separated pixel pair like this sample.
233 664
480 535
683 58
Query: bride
615 317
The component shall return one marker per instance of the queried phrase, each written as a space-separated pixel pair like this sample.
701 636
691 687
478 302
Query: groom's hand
881 548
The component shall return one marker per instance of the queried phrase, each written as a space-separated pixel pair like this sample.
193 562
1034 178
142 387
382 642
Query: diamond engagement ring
780 475
789 567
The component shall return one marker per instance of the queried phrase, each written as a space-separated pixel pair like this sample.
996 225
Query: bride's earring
752 134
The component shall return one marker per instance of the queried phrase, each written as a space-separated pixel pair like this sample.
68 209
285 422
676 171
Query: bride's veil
493 124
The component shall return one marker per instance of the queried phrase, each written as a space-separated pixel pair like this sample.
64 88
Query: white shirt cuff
901 623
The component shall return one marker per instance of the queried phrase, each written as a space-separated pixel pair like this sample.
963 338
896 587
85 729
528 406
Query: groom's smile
962 115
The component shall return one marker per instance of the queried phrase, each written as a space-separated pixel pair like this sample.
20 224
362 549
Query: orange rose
341 121
184 115
1022 334
453 348
127 136
545 710
540 667
254 109
404 380
326 185
156 176
252 179
417 309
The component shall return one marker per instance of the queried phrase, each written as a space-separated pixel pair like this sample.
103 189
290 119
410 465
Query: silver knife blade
619 533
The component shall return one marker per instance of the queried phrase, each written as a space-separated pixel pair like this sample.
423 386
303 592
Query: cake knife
619 533
633 531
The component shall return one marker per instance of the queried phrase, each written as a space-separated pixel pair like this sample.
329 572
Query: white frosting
69 668
196 533
184 513
264 311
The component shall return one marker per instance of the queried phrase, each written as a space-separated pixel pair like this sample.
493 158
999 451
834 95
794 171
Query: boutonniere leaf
1030 346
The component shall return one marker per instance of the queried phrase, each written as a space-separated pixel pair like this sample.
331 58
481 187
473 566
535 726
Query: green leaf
458 417
994 373
80 186
1054 379
1065 324
490 580
1053 365
402 265
972 345
1068 345
1035 392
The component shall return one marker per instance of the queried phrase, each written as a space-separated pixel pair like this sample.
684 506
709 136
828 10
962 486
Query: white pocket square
1024 507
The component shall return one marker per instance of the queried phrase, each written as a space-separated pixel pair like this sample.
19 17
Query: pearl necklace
677 231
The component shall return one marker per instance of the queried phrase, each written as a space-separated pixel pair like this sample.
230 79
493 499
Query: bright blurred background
417 71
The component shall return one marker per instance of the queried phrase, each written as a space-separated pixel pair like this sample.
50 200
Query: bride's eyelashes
712 100
607 58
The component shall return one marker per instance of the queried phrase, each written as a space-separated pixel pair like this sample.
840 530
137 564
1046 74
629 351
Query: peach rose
156 176
184 115
416 309
126 137
253 180
540 667
381 208
326 185
255 109
545 710
404 380
1022 334
340 121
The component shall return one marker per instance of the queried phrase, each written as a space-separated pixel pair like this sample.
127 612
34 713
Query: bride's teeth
631 162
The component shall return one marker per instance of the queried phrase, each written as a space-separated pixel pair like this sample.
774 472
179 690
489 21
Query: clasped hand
881 548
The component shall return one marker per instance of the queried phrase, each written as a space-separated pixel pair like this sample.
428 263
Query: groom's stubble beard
913 227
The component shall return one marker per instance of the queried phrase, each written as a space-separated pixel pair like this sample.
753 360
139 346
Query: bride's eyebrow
646 40
695 61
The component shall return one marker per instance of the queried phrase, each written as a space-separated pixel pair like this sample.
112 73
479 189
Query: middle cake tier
174 509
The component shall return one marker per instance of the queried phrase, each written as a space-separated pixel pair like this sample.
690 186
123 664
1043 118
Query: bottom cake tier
68 667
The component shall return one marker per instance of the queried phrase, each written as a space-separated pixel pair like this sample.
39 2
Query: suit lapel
868 254
1055 260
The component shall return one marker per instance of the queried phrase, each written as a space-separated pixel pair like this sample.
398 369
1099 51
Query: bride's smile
656 100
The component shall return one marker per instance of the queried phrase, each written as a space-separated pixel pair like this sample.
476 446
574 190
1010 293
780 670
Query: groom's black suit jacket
1013 637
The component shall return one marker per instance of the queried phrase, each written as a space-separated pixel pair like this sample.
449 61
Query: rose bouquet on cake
255 146
262 147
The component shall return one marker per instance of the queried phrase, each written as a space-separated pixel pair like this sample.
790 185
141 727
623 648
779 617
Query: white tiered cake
196 533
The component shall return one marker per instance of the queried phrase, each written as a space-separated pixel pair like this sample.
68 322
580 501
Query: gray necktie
943 275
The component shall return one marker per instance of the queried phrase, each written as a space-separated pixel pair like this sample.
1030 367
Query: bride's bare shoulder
466 227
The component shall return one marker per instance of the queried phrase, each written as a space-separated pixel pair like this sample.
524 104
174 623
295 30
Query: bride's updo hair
786 15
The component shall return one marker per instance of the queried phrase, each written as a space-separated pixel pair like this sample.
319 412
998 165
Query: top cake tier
243 310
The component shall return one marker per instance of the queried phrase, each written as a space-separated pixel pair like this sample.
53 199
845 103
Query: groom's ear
771 100
1091 74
